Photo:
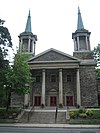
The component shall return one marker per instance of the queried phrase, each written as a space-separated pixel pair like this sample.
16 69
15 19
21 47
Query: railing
56 114
29 113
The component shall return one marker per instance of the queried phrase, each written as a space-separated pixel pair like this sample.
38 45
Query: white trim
51 49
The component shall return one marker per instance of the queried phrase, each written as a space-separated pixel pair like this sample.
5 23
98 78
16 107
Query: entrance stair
46 115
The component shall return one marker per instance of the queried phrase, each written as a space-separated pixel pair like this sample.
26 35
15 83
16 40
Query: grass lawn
96 113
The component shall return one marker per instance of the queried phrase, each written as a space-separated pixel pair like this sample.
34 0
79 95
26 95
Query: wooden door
69 100
53 101
37 100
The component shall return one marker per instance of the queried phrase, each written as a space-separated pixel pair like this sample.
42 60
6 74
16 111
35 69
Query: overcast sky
53 21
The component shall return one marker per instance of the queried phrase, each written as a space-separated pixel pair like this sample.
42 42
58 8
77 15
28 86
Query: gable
52 55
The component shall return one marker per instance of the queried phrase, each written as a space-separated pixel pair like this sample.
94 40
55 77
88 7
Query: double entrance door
37 100
53 100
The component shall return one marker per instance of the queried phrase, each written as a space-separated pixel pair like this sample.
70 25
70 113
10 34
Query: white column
60 87
75 45
78 88
29 45
26 99
78 43
87 47
43 87
21 44
34 48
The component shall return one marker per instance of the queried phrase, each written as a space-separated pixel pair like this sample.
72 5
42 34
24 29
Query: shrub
8 114
89 113
83 115
72 114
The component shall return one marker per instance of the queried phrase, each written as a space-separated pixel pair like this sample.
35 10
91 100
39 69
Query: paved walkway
49 125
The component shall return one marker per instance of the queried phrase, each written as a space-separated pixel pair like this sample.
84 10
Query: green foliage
98 74
81 110
97 54
89 113
5 38
5 43
96 114
83 115
21 74
11 113
72 114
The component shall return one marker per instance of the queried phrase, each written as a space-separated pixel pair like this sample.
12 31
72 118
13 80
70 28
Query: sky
53 21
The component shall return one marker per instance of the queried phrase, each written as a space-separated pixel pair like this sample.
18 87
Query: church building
59 78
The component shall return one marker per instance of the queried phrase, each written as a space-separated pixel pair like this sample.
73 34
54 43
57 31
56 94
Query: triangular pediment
52 55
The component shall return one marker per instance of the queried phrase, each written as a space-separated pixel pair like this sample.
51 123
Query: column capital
43 70
60 70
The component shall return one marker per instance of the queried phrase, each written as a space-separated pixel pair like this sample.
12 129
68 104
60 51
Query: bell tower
27 40
81 38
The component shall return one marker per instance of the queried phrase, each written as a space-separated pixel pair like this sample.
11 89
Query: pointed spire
28 24
80 22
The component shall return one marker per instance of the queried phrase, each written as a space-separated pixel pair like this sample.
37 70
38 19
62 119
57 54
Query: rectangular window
38 78
53 78
68 78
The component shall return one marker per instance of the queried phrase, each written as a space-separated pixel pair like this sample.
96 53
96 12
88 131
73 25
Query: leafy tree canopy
5 44
97 59
21 73
97 55
5 38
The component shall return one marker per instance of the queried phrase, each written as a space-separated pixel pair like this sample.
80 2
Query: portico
57 98
59 82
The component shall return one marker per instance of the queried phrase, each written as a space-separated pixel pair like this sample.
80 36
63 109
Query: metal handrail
29 113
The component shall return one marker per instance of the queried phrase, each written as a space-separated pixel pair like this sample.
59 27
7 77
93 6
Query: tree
5 44
97 55
21 74
5 38
97 59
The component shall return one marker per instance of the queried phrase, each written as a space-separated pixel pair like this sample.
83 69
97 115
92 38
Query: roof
28 24
80 25
53 55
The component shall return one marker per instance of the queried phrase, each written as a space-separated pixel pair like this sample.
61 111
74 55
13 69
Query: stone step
43 117
61 117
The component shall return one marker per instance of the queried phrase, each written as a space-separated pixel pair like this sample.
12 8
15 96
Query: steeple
81 36
27 40
80 25
28 24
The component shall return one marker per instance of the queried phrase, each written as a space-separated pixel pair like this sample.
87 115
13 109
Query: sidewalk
49 125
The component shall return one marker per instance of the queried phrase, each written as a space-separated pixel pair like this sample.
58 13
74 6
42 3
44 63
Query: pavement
50 125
